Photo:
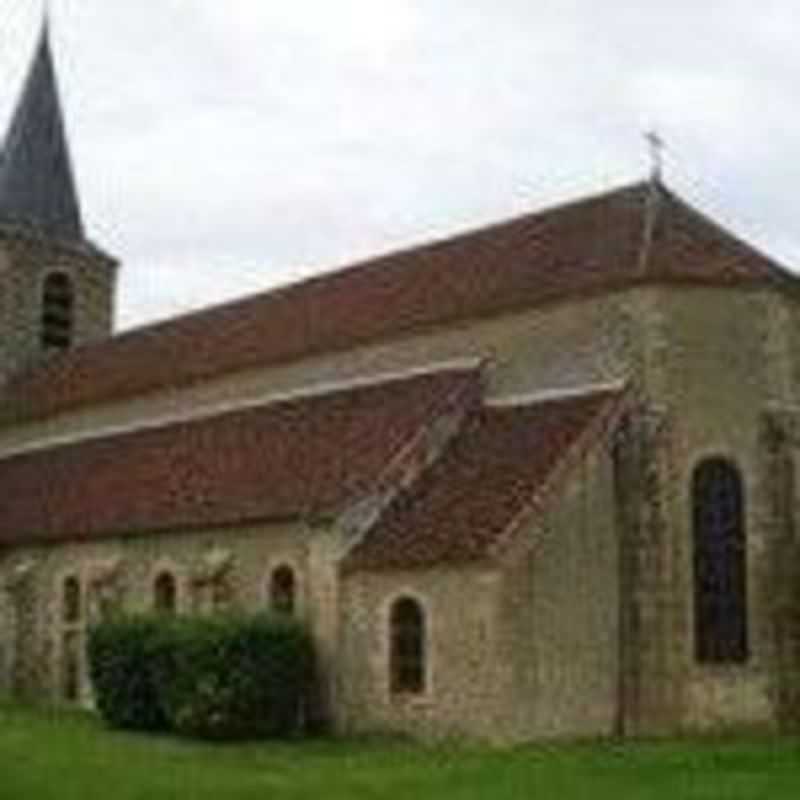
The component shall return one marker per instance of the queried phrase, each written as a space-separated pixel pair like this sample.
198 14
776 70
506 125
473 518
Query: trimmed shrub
121 654
235 678
215 678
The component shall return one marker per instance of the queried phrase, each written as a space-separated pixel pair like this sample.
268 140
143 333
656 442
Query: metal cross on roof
656 146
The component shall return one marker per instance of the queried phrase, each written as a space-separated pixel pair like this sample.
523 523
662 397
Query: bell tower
56 287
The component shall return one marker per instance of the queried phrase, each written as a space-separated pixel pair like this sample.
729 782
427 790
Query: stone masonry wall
24 265
215 569
6 652
722 360
559 615
463 676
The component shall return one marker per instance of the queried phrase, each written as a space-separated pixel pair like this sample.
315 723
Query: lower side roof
311 457
491 473
297 458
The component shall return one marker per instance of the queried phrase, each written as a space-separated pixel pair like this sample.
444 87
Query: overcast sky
226 146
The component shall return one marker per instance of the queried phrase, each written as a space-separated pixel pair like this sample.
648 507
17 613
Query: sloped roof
37 186
595 244
459 510
299 457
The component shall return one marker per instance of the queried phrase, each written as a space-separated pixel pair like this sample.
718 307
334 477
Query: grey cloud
225 147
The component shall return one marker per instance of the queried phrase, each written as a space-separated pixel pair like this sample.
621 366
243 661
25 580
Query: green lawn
72 757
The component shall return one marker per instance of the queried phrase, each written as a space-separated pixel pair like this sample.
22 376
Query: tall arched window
165 593
720 563
282 590
57 312
407 646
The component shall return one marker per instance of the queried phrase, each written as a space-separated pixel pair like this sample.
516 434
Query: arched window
165 593
72 638
57 312
407 647
71 600
71 666
282 590
720 564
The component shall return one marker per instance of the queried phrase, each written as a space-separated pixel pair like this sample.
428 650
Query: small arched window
71 666
282 590
720 563
407 646
57 312
165 591
72 633
71 600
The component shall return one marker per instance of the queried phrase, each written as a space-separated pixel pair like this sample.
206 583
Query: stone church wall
559 634
709 363
723 360
24 265
5 636
215 570
791 315
522 651
463 678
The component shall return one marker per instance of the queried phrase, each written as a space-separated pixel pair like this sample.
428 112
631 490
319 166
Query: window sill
411 700
732 669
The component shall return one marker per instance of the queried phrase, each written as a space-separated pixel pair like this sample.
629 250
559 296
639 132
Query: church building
534 480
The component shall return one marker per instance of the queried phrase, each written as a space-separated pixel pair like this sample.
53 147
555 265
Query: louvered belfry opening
57 312
720 564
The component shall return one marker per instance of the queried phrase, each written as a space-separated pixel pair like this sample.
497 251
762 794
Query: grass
46 756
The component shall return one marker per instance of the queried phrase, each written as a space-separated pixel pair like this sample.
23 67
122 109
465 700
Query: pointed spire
37 187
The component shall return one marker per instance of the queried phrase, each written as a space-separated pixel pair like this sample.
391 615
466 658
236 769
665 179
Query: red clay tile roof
587 246
301 456
492 471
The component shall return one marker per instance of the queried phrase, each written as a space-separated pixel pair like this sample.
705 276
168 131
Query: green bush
217 678
121 655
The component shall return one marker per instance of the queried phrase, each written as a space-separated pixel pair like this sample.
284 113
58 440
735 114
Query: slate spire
37 187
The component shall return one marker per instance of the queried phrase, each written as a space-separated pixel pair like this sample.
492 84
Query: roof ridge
650 215
410 461
556 393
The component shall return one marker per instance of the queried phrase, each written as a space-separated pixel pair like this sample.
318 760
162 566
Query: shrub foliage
121 655
218 677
